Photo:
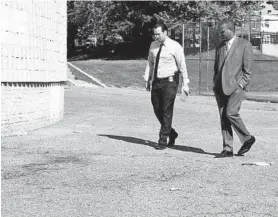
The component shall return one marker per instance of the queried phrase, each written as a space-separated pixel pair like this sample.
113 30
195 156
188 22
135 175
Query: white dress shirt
171 60
229 43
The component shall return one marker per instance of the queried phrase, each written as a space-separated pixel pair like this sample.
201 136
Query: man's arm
147 77
148 71
180 60
247 65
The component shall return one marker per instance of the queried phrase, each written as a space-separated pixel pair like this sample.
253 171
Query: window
270 38
274 38
266 39
266 23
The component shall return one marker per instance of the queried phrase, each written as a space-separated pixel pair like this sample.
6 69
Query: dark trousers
229 107
163 97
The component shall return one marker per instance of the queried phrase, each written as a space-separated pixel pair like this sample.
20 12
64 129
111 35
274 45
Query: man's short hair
162 25
230 24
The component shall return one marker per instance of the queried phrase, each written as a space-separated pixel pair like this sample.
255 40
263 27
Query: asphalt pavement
100 161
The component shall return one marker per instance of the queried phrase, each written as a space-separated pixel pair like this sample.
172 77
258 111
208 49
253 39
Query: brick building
33 64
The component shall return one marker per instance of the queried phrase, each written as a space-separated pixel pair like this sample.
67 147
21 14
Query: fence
199 39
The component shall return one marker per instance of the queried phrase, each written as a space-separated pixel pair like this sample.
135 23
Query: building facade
269 28
261 29
33 64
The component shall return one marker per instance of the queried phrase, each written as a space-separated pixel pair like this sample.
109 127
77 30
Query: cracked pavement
100 161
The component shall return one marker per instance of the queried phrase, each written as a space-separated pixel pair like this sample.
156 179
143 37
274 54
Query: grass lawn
129 73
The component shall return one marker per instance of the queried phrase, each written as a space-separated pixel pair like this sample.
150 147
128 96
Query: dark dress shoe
160 147
225 153
172 138
246 146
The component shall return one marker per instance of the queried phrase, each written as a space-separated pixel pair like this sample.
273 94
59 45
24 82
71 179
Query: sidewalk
263 96
100 161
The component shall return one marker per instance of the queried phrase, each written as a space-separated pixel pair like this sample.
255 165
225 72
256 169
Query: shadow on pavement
153 144
131 140
191 149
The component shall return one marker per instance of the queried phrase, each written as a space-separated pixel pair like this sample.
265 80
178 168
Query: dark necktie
157 61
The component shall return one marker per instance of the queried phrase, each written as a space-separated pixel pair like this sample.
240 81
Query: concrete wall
33 64
270 49
29 106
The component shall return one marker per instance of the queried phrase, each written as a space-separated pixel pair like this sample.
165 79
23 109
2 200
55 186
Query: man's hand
148 86
185 88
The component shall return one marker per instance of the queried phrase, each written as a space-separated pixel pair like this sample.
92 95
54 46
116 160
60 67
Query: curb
253 96
87 75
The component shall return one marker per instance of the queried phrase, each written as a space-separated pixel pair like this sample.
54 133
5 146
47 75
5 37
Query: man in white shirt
165 62
232 74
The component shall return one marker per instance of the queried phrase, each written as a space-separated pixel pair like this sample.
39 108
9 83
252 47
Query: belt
170 78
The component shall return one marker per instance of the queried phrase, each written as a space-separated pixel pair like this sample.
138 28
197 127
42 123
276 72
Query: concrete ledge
29 106
271 97
262 96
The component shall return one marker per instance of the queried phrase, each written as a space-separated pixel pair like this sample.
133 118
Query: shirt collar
166 41
230 42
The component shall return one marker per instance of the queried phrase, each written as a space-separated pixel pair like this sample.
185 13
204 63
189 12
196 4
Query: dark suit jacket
235 69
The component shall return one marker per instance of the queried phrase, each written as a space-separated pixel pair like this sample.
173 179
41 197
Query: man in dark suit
232 73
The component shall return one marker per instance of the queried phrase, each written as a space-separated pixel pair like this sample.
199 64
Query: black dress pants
163 97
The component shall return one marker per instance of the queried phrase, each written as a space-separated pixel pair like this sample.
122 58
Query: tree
132 20
89 16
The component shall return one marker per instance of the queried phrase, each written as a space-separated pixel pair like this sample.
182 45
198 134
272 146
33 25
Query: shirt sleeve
147 72
180 60
149 67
